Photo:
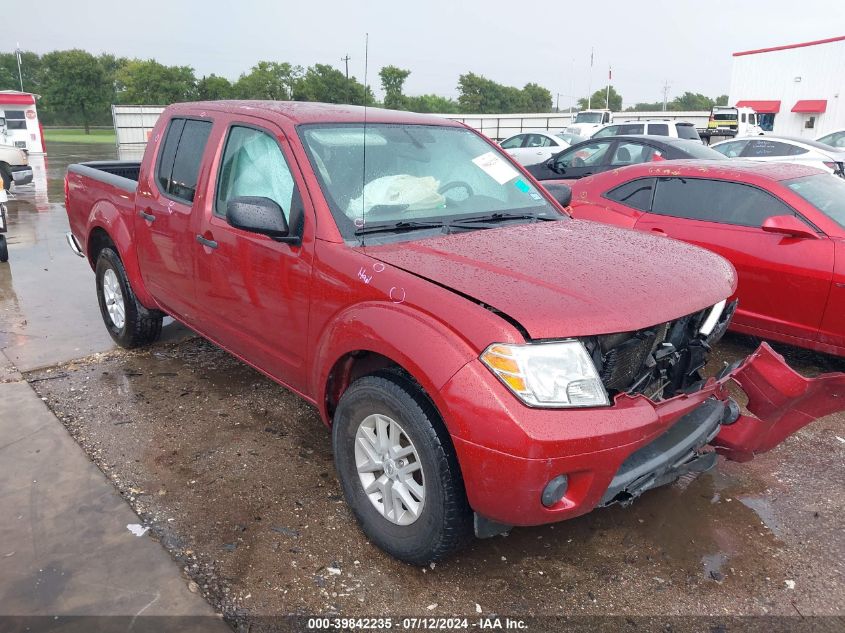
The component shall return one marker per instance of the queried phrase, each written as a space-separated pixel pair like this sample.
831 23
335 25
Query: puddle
763 508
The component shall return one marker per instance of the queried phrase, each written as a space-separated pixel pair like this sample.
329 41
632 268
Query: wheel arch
110 227
373 337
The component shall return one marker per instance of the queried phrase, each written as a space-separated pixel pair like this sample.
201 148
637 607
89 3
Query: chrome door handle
206 242
149 217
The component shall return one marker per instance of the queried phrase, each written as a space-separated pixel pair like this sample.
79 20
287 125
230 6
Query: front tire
398 469
128 322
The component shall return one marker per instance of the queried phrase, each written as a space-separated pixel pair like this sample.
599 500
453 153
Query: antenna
364 157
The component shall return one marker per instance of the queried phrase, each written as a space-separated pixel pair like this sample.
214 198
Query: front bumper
22 175
508 453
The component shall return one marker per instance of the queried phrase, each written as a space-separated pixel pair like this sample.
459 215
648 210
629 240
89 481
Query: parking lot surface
234 476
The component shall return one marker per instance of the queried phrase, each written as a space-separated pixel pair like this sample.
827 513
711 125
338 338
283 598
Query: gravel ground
235 477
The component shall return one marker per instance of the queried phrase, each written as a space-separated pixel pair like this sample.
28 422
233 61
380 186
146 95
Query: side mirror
561 193
257 214
788 225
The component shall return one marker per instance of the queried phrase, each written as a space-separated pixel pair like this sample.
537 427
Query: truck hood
569 278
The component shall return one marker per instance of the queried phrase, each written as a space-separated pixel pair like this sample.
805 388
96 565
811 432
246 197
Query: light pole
18 55
346 61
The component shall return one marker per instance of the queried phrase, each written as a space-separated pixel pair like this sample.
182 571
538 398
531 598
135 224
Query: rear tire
128 322
413 466
4 249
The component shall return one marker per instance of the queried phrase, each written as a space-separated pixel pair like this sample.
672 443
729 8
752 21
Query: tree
322 82
432 103
646 107
30 70
211 88
392 81
599 99
535 98
150 83
691 101
75 83
480 95
268 80
721 100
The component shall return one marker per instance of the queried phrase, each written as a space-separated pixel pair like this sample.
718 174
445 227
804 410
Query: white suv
673 129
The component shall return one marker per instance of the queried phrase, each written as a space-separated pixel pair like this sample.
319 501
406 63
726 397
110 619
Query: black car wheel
129 323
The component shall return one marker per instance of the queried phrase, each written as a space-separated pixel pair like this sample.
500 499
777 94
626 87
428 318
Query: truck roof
299 112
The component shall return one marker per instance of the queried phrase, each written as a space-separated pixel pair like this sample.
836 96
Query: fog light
554 490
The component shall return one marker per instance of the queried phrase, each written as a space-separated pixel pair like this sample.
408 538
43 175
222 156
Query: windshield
588 117
572 139
413 173
826 192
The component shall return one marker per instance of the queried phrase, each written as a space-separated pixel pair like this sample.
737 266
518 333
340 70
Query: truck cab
481 359
729 122
586 122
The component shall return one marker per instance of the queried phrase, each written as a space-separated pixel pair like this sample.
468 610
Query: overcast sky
646 42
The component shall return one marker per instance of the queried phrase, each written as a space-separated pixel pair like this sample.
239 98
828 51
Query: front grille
623 362
657 362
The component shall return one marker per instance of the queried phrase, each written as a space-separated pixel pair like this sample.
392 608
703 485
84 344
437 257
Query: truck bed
118 173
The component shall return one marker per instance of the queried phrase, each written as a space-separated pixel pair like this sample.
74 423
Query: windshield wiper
500 217
398 227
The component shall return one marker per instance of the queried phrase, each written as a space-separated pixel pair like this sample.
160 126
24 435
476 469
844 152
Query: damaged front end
663 364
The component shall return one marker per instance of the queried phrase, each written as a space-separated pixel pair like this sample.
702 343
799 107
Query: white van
662 127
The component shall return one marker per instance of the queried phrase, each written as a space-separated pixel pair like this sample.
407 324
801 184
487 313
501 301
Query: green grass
78 135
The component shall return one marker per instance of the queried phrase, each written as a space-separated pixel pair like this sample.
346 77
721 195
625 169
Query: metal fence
133 124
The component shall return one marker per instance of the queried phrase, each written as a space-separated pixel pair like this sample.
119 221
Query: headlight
547 374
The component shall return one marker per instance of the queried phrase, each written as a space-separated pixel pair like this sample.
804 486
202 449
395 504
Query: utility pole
666 87
590 82
607 96
557 103
18 55
346 61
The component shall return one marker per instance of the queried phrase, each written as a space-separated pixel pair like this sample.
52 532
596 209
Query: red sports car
781 225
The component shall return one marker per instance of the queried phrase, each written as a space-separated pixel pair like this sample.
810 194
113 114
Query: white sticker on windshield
495 167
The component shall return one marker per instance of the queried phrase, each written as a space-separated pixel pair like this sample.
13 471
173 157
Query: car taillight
830 165
67 190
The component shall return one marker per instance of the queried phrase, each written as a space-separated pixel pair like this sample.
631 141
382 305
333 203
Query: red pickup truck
482 359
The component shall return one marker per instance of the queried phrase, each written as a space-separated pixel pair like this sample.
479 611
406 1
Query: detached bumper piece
781 401
675 453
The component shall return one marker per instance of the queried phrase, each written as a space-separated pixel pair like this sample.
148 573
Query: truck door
253 292
164 204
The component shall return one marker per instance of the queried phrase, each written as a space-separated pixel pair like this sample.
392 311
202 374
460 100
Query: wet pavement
234 476
66 549
48 309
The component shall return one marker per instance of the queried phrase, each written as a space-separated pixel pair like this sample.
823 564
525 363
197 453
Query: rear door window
637 193
180 158
762 148
716 201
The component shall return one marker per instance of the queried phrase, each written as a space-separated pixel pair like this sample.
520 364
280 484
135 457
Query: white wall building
798 88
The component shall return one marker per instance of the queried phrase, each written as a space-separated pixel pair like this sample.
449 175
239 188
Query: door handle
658 231
206 242
149 217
